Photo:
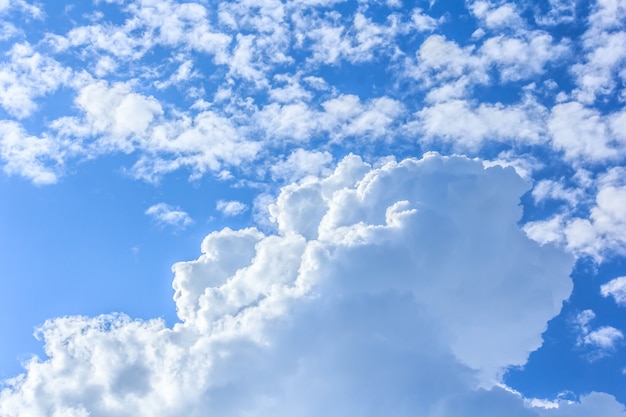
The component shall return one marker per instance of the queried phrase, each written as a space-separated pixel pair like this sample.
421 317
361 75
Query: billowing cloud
419 264
405 290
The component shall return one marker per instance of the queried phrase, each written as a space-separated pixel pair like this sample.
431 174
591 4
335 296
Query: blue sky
313 207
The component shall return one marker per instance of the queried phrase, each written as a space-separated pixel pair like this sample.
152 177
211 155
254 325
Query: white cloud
601 233
120 116
26 76
468 125
301 163
231 208
555 190
499 15
615 288
440 62
167 215
424 22
605 47
592 404
158 23
585 135
602 339
519 58
206 142
40 159
22 6
560 12
375 293
346 115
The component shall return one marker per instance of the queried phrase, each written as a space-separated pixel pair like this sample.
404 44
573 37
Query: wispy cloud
231 208
615 288
167 215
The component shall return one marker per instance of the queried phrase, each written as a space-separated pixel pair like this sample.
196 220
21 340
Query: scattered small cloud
602 340
166 215
615 288
231 208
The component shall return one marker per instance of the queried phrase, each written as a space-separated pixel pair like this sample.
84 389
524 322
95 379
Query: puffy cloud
397 290
205 142
519 58
585 135
27 75
468 125
502 15
602 339
116 113
601 233
604 44
346 115
40 159
160 23
615 288
301 163
231 208
168 215
549 189
441 62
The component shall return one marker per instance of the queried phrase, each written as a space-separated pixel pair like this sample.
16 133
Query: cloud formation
167 215
615 288
406 288
286 322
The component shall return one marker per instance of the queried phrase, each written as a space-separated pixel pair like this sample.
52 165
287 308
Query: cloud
22 6
549 189
602 233
395 290
469 125
40 159
615 288
114 114
604 43
585 135
301 163
26 76
602 339
498 15
231 208
167 215
594 403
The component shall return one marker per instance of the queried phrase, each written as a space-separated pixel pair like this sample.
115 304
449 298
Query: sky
313 208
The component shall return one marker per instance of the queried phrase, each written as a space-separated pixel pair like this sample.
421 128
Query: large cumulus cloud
402 290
